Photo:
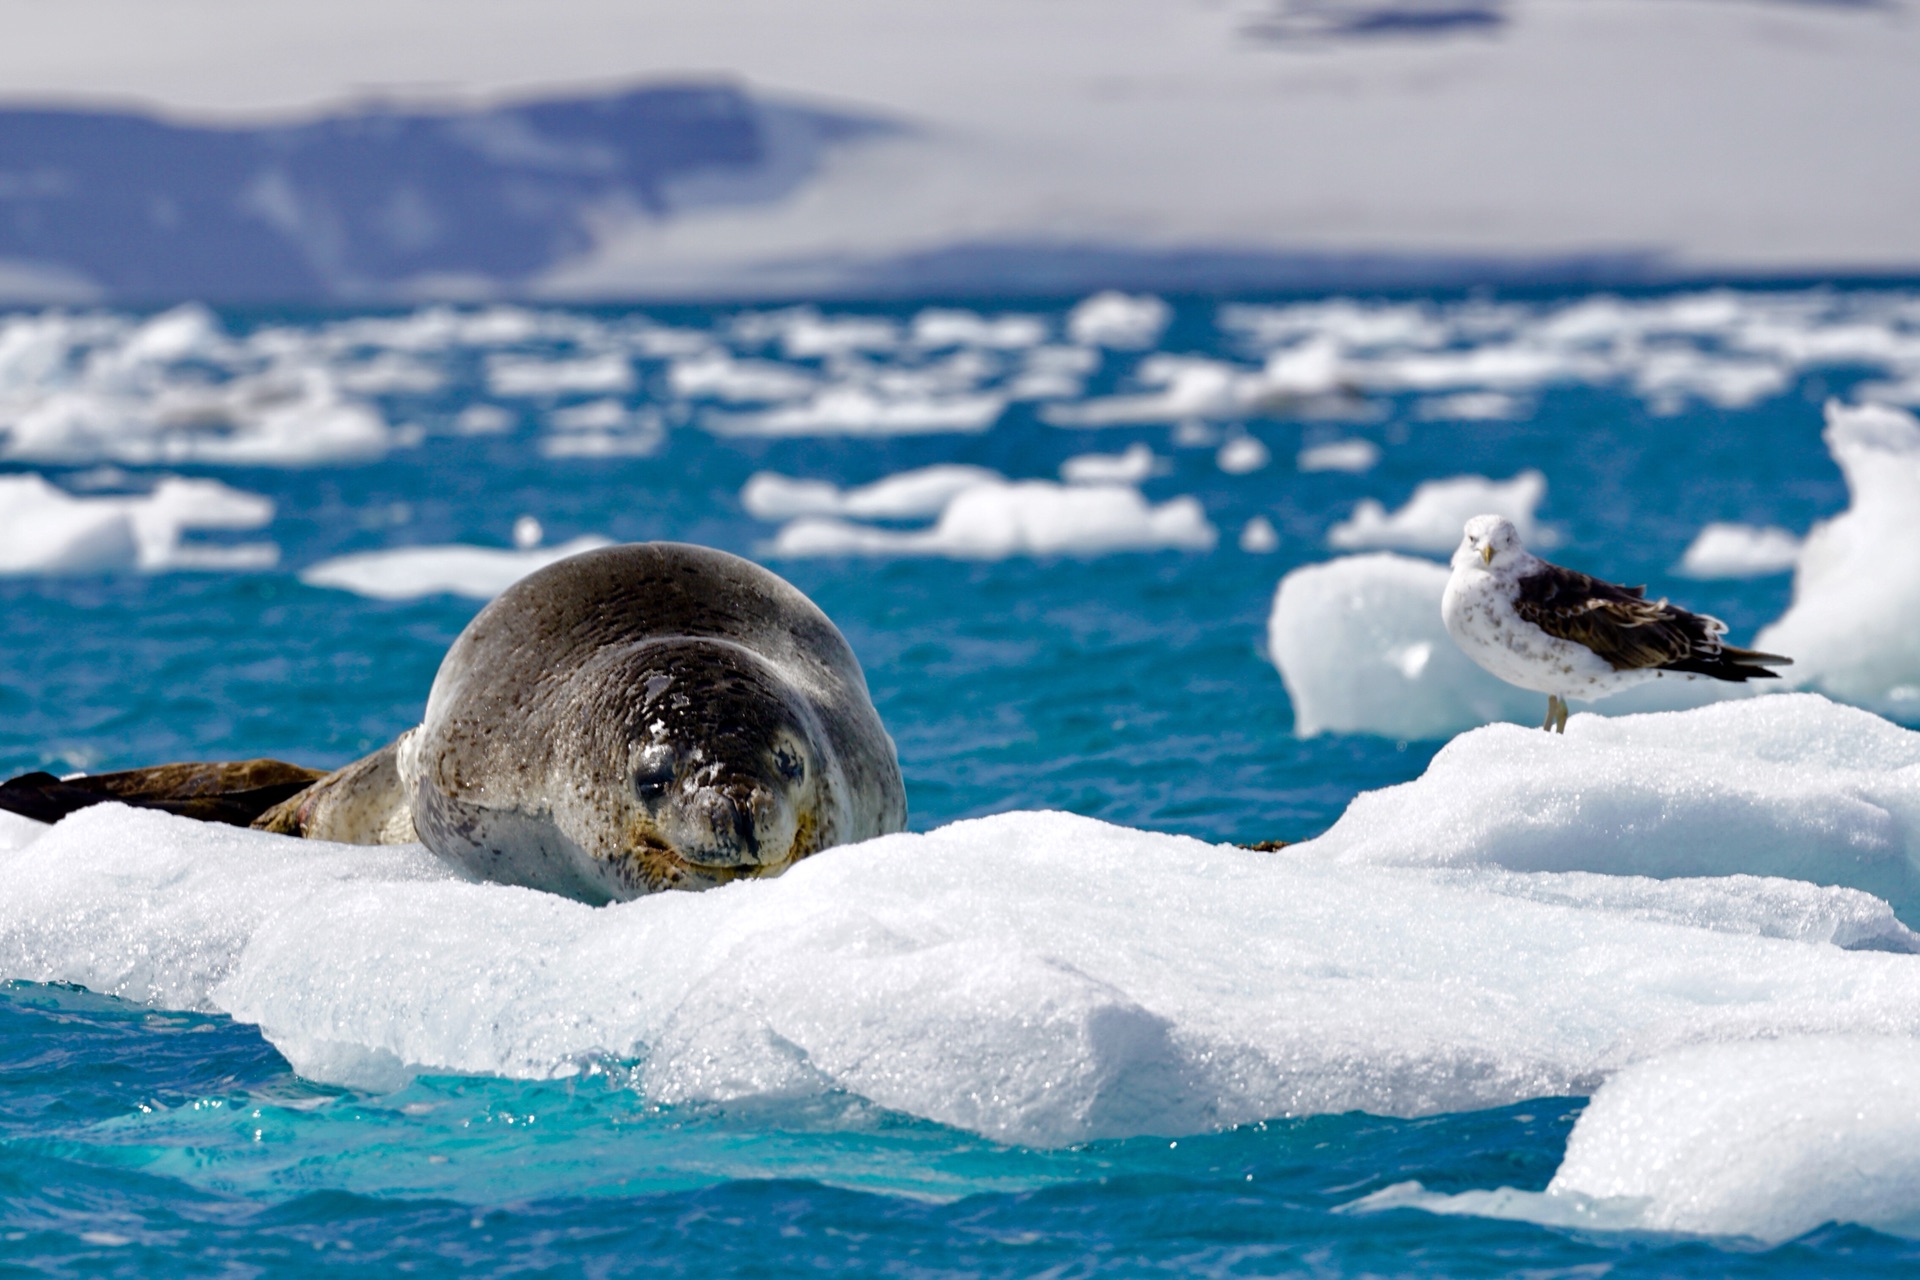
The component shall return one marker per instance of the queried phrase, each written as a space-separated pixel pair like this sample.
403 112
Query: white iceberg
903 496
939 327
1361 649
1242 455
510 376
46 530
1793 786
1762 1140
1023 518
1120 320
1352 456
1853 629
404 573
1037 978
1724 550
1432 518
857 410
1136 463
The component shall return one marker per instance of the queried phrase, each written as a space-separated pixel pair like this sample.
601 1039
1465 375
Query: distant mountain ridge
376 202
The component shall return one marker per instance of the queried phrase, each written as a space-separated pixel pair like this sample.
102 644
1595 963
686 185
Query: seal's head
714 774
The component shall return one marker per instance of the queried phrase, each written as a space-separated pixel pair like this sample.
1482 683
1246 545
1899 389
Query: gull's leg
1559 714
1547 724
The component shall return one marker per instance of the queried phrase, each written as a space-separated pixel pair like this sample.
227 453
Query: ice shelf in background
1722 550
1764 1140
1791 785
46 530
406 572
1022 518
1853 629
1034 977
1433 517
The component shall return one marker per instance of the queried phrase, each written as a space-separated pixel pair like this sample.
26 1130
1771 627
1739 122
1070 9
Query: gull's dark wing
1631 632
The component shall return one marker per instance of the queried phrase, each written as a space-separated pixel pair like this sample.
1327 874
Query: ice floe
532 376
1118 320
1353 456
1136 463
1034 977
1853 628
1432 518
403 573
46 530
1722 550
1360 647
904 496
937 327
1258 536
1018 518
854 410
1242 455
1763 1140
1792 785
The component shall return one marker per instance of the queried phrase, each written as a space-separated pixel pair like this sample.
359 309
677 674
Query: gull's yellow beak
1486 553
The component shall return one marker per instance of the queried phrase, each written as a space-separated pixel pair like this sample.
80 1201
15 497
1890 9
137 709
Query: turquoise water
1131 687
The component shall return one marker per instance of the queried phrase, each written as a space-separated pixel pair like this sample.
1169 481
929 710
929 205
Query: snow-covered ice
906 495
1354 456
1019 518
1724 550
1118 320
1242 455
1853 629
1791 785
1764 1140
1034 977
1136 463
1432 518
854 410
46 530
403 573
1258 536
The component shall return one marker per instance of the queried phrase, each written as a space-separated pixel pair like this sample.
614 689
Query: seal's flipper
233 792
363 803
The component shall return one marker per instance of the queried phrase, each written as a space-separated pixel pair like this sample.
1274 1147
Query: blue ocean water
1131 687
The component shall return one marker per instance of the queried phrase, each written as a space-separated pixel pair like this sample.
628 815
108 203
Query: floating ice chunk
1053 373
1112 319
1353 456
1435 514
1739 551
1497 367
1792 785
406 572
391 372
1242 455
1310 370
1037 978
1138 462
935 328
909 494
1030 518
861 411
1361 649
530 376
44 529
603 429
1471 406
1667 379
483 420
806 334
716 375
1258 536
1851 629
527 533
1764 1140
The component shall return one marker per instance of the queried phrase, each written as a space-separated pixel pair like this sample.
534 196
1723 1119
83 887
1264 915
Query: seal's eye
789 763
653 777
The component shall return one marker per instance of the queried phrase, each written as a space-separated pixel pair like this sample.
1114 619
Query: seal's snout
741 826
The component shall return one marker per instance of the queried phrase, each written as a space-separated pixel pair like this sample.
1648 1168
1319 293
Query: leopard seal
632 719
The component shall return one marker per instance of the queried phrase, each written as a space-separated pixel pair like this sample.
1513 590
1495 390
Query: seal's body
635 718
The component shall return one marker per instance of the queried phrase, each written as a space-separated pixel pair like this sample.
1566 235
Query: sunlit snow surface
1056 533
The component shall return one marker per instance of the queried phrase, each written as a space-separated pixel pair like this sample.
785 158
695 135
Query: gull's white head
1491 544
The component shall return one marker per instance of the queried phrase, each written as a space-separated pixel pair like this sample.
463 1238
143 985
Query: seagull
1569 635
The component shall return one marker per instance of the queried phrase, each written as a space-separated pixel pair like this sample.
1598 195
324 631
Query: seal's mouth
651 864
